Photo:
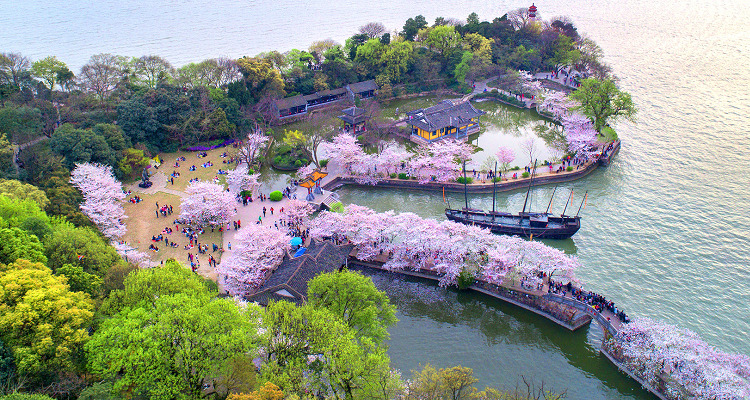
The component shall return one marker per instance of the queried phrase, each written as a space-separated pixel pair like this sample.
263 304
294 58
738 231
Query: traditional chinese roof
291 102
325 93
443 115
361 87
353 115
289 281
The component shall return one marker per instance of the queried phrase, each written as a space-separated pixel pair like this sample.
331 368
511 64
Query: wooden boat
528 224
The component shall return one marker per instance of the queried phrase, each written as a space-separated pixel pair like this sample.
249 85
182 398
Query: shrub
337 207
298 163
465 279
305 161
277 160
402 176
414 178
275 196
323 163
467 180
246 193
516 168
525 175
250 171
570 168
393 175
498 179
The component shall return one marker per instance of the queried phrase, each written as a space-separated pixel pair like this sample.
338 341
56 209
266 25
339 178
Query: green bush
570 168
467 180
250 171
498 179
305 161
246 193
402 176
298 163
277 160
337 207
516 168
393 175
525 175
414 178
275 196
323 163
465 279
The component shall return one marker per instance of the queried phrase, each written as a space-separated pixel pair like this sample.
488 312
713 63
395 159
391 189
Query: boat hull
517 225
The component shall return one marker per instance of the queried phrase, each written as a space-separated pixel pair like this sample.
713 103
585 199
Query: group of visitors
163 210
135 199
597 301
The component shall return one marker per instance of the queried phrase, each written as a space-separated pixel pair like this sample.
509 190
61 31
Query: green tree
22 123
261 78
132 162
6 156
41 319
79 246
412 27
23 191
113 135
98 391
447 383
353 298
80 281
152 70
47 70
443 39
459 73
145 286
79 145
171 349
295 335
25 396
24 214
603 102
7 367
472 19
16 243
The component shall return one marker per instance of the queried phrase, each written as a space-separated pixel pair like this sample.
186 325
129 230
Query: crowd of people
597 301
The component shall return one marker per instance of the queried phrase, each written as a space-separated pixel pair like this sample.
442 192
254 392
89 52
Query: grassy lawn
142 221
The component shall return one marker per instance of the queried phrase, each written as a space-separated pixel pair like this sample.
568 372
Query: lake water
665 231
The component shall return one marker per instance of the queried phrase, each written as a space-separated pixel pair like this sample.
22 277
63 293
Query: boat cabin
442 120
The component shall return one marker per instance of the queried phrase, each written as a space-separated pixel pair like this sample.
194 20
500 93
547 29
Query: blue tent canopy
296 241
300 251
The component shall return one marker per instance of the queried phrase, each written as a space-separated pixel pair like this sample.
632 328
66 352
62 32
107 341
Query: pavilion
443 120
355 119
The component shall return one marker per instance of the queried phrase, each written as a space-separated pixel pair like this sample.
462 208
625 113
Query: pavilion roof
442 115
353 115
290 102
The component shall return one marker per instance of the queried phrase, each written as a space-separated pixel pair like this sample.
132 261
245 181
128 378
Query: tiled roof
365 86
442 115
289 102
291 277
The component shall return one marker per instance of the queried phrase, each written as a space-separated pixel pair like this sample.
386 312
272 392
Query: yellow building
442 120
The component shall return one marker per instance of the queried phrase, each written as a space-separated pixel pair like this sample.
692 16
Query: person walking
271 210
264 211
229 245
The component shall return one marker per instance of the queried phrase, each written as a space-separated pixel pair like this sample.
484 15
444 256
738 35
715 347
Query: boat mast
494 183
566 203
582 201
466 196
550 200
531 179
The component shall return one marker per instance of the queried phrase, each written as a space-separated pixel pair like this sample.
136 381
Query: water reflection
501 342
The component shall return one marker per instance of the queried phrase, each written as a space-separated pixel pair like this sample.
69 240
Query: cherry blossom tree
304 172
529 84
257 250
391 157
580 134
102 197
239 180
345 151
505 156
297 212
207 204
678 361
251 147
446 248
131 254
558 103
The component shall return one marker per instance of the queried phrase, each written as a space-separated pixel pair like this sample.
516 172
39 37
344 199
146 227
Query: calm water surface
666 228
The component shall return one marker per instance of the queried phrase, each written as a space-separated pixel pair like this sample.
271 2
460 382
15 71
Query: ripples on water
666 228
